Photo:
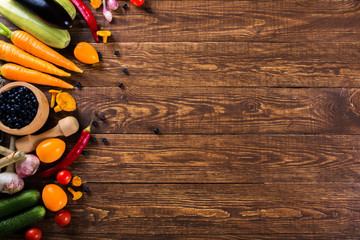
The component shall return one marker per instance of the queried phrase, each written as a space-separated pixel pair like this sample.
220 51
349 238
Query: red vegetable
88 16
72 155
63 177
33 234
137 3
62 217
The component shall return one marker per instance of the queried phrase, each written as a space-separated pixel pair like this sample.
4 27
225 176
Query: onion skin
28 166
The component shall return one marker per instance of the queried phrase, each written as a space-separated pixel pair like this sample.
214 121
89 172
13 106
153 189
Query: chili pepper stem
5 30
88 128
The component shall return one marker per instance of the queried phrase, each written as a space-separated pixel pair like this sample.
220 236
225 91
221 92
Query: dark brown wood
221 159
233 20
323 209
189 110
258 107
232 64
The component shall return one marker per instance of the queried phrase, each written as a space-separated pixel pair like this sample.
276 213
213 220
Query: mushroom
65 102
104 35
53 96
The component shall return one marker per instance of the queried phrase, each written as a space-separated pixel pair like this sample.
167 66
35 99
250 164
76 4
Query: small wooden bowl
40 117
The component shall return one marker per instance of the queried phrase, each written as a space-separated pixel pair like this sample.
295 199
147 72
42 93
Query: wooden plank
222 21
225 64
220 209
118 236
231 20
188 110
220 159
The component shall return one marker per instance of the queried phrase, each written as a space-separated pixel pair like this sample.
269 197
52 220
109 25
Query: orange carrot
18 73
29 44
11 53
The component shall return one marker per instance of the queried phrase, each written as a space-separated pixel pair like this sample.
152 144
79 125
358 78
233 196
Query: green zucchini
24 19
15 223
18 202
69 7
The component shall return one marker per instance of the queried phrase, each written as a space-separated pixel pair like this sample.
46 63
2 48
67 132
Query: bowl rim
39 119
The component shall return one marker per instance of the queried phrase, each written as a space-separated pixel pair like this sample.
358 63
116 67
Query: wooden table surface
258 107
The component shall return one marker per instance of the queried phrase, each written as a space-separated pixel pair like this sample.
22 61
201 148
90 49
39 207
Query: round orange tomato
54 197
50 150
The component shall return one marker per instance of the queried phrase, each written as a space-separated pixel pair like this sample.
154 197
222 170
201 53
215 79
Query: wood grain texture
209 110
224 21
213 209
258 106
220 159
235 64
239 236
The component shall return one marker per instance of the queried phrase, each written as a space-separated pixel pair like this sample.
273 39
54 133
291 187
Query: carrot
19 73
28 43
11 53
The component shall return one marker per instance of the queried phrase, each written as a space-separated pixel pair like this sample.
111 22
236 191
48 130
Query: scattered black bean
117 53
121 85
125 6
148 10
156 131
100 56
86 189
125 70
85 153
78 84
93 139
104 140
94 123
102 117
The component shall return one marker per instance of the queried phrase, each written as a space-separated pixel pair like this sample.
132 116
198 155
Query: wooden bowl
40 117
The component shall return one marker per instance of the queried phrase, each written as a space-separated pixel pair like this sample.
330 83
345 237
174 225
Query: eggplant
49 11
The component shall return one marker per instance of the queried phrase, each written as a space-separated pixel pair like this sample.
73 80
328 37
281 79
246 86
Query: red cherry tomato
62 217
137 3
63 177
33 234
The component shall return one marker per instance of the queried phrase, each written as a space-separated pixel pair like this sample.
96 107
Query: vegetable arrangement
27 21
30 58
30 44
50 11
11 53
19 73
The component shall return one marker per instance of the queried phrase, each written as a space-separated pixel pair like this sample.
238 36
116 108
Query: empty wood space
258 107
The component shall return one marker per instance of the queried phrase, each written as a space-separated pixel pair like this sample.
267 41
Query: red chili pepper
88 16
72 155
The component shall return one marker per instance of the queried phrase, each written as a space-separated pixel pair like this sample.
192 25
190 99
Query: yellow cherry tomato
50 150
86 53
54 197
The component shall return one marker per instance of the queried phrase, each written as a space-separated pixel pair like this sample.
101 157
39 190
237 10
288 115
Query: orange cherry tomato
86 53
50 150
54 197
